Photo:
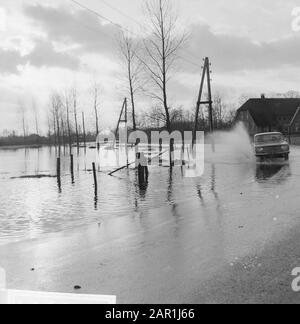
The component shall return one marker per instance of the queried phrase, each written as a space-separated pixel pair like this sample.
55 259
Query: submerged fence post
58 167
95 178
150 151
182 153
58 172
72 167
172 152
160 151
143 172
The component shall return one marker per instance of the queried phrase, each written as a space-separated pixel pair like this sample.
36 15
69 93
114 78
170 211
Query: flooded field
32 203
173 228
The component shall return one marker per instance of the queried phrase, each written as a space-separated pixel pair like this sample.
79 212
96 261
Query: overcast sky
52 45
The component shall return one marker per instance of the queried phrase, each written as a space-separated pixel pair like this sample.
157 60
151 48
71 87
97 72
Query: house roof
264 111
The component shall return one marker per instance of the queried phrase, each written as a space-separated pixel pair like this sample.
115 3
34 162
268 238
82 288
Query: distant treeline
36 140
153 121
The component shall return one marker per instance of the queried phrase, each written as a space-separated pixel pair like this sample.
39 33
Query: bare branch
161 49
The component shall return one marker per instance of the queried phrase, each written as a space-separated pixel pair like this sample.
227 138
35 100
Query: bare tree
244 98
67 107
129 51
83 129
96 106
22 111
63 131
54 124
49 128
219 112
292 94
36 122
161 49
56 108
153 118
74 97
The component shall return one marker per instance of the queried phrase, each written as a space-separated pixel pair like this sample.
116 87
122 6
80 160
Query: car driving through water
271 145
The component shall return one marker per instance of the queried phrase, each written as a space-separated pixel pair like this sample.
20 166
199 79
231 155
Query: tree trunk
164 70
84 133
131 92
68 125
96 111
76 121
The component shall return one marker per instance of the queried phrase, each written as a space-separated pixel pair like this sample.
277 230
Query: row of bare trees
24 121
151 61
183 119
65 125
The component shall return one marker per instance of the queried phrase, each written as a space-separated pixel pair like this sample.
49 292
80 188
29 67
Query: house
271 115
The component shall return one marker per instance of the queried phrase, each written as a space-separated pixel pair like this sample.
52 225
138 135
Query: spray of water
233 146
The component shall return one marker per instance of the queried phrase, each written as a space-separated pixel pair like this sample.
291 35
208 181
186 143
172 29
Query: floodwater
165 235
33 202
32 206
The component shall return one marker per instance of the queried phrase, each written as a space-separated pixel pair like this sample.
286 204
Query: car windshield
269 138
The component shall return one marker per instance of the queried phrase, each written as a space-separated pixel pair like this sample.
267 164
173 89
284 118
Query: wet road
178 240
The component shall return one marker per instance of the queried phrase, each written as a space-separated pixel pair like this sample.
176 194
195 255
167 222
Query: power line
189 61
99 15
125 29
120 12
140 25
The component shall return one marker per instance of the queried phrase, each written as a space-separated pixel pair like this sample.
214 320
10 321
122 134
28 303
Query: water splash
234 146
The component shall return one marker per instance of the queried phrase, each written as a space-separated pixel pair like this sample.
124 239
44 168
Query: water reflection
59 184
71 200
72 169
96 201
277 172
213 181
199 193
143 187
170 187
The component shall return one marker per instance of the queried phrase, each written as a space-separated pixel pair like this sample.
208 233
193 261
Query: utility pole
126 111
124 106
210 107
205 73
198 104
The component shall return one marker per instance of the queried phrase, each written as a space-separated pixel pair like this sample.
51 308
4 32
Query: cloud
45 55
74 27
9 61
227 52
233 53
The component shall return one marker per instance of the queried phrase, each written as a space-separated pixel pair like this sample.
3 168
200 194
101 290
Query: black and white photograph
149 154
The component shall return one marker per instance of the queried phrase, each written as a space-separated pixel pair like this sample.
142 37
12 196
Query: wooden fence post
72 167
143 172
160 151
95 178
172 152
58 172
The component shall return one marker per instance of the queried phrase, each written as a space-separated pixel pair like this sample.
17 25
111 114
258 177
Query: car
271 145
